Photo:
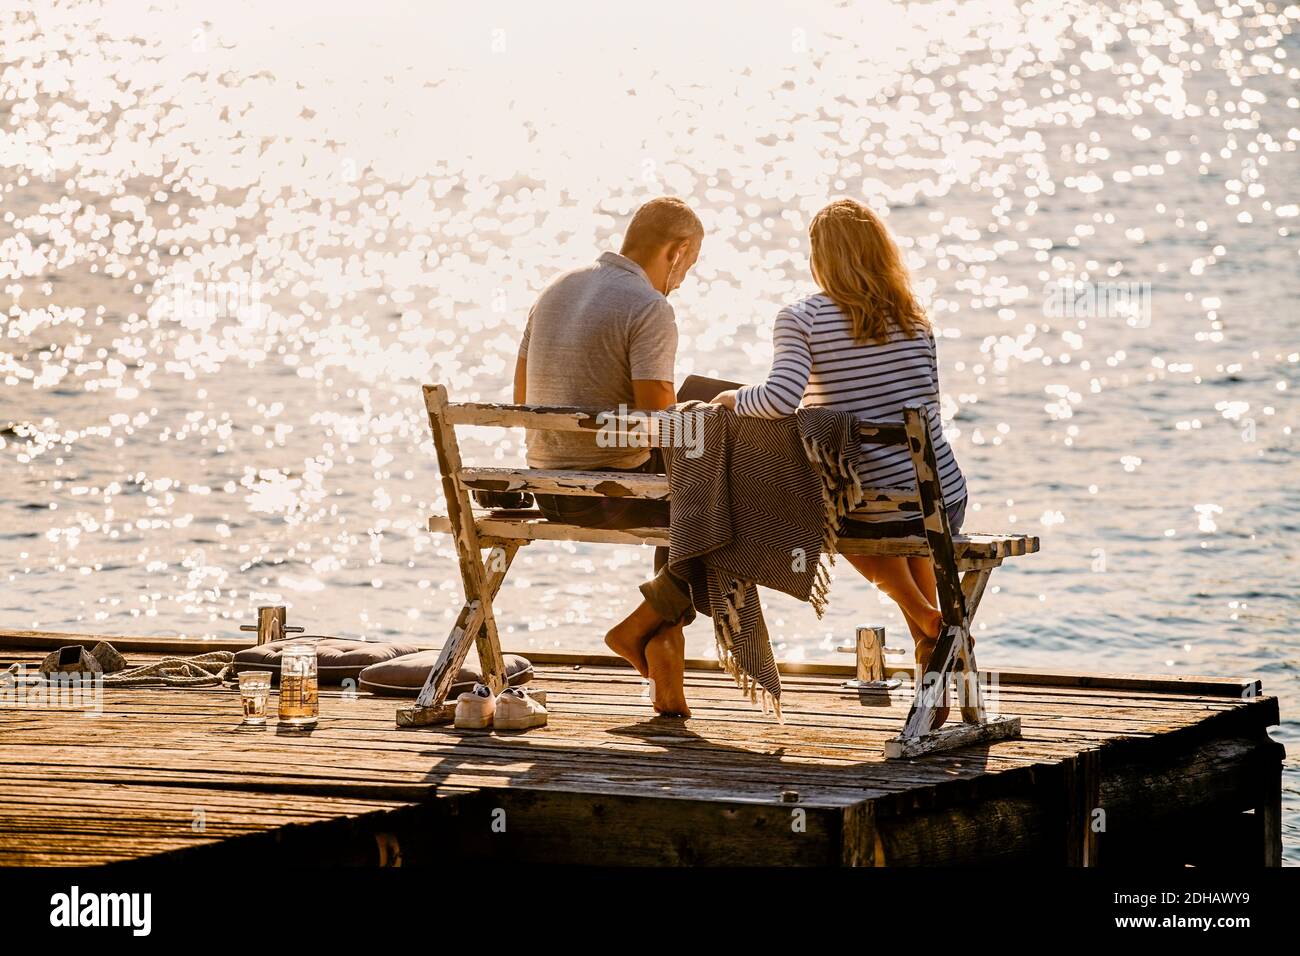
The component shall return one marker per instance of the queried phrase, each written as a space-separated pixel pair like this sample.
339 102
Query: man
605 336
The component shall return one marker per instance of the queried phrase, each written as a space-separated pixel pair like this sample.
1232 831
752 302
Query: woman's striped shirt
818 363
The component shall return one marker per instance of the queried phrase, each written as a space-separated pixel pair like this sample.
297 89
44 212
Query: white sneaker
518 710
476 708
536 693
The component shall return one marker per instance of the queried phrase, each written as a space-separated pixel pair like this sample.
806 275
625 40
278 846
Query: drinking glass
254 689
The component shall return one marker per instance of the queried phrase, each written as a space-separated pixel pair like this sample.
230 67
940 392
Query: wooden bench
962 562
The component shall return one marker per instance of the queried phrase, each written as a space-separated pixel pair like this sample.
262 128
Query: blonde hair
857 264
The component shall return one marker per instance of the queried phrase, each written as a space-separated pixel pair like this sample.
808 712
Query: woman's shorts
907 528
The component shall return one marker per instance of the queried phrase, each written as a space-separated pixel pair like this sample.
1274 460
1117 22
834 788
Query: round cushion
404 676
337 659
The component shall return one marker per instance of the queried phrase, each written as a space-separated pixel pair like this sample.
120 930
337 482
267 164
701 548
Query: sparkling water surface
236 239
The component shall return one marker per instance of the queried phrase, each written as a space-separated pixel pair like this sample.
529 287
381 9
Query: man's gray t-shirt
590 333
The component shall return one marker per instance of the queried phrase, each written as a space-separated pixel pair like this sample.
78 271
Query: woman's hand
726 399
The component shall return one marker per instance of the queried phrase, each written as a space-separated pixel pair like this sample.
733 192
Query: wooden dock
1111 770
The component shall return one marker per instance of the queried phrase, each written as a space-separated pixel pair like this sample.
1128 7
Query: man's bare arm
653 395
521 380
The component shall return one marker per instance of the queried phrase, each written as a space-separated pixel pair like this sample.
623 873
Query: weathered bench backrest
641 428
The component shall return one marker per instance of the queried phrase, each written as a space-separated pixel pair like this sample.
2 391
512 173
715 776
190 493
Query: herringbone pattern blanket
757 501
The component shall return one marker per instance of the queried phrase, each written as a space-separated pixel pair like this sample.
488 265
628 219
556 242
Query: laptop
702 389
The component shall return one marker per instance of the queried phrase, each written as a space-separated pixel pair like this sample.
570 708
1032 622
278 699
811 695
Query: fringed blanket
756 501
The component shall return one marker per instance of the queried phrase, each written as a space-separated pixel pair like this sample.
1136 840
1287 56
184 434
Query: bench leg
464 531
483 631
431 705
952 654
970 696
482 627
958 598
930 686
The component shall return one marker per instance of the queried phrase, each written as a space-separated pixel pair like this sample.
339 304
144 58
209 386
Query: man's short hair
659 222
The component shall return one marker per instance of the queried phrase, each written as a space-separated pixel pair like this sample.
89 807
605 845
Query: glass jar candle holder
299 695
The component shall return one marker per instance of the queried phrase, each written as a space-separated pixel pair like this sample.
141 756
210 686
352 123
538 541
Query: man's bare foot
628 637
666 657
628 643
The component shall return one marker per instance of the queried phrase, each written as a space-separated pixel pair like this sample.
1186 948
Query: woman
863 344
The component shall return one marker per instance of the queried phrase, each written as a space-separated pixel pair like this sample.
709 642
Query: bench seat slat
621 484
529 526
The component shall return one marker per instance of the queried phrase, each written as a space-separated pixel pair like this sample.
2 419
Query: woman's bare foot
666 658
628 637
931 624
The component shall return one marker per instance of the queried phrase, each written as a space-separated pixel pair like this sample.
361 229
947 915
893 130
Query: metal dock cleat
271 624
870 649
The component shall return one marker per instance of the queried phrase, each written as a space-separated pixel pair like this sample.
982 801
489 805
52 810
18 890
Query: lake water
236 241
